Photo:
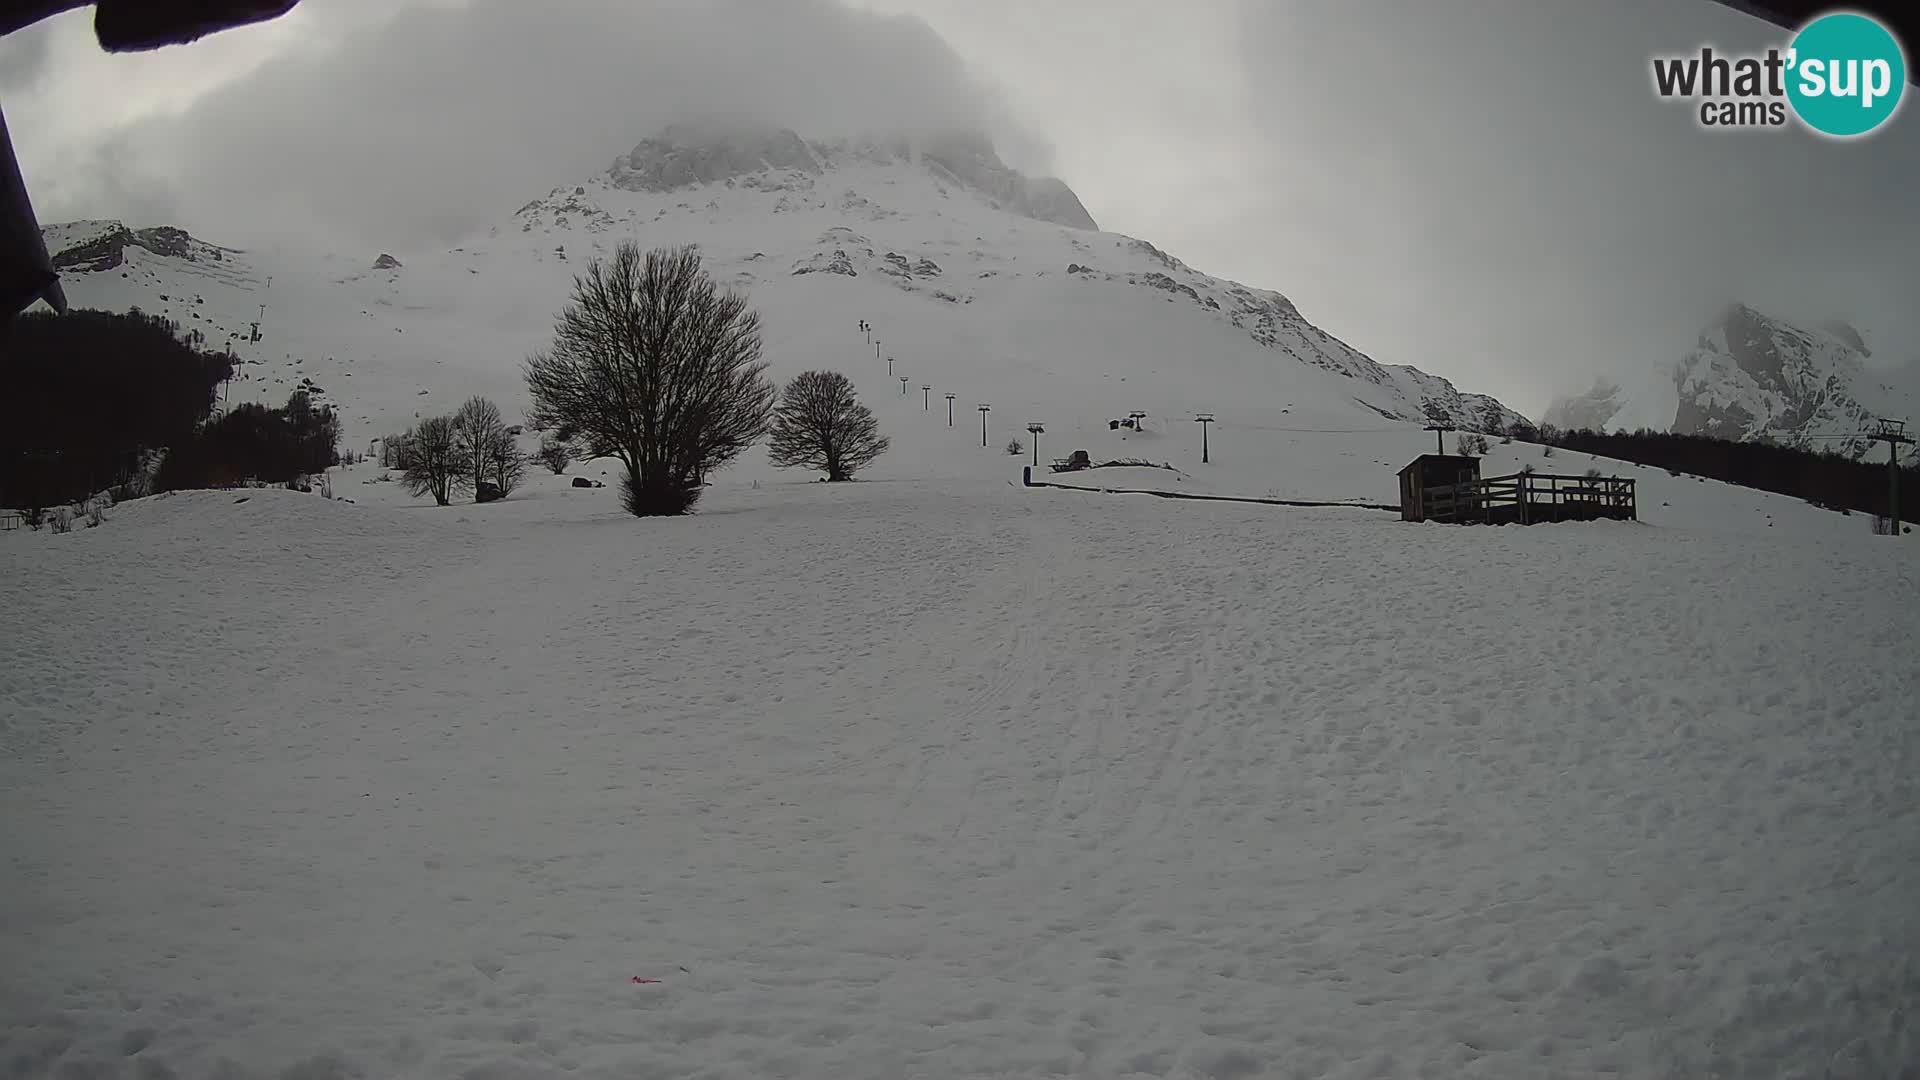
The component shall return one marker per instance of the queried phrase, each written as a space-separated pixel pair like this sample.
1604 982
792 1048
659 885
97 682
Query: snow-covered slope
985 283
949 779
1753 376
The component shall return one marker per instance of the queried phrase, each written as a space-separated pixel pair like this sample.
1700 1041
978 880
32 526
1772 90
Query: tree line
471 450
87 398
1823 478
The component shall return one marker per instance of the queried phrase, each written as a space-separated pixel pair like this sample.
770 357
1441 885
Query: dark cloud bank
447 118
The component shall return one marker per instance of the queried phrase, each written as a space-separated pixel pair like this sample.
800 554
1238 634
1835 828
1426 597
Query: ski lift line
1287 430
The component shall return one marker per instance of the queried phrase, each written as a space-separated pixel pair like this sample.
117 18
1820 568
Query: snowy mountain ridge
984 280
101 245
1753 376
685 155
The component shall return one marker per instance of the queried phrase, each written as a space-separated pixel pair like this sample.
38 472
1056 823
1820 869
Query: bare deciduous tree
653 365
479 430
506 465
434 463
554 454
819 424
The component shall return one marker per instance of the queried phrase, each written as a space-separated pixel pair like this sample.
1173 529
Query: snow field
913 779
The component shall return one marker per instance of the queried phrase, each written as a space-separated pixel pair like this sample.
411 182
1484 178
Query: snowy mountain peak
1751 375
690 155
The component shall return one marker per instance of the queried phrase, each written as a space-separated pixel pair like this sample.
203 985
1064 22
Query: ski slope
948 778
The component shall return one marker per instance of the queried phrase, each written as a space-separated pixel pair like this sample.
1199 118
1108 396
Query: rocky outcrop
968 159
386 262
776 159
835 262
684 155
106 248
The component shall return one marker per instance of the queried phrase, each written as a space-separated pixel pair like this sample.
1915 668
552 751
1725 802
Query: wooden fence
1531 498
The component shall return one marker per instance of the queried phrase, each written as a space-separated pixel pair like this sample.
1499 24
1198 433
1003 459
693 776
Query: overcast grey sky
1486 189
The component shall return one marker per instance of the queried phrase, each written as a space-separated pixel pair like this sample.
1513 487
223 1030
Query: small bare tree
1015 447
506 465
435 465
819 424
479 430
653 365
554 454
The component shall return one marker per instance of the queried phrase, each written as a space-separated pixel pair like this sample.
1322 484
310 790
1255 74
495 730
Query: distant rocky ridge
1593 409
684 155
1751 376
101 245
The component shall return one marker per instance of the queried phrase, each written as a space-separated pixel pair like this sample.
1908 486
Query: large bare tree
820 424
434 463
655 366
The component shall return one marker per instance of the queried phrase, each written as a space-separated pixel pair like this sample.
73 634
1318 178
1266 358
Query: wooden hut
1438 487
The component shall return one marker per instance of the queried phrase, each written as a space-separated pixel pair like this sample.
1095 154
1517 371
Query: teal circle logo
1846 74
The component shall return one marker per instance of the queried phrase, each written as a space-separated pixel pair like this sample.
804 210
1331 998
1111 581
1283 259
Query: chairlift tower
1036 431
984 409
1894 434
950 398
927 391
1204 419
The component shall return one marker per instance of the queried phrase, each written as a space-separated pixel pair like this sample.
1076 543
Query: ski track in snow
949 780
